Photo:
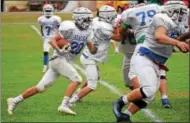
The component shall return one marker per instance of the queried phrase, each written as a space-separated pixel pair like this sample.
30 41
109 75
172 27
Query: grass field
22 68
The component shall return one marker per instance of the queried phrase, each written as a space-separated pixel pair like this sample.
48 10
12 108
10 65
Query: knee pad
40 88
140 103
92 84
148 91
76 78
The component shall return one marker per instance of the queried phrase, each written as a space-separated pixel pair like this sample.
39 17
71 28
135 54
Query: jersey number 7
48 29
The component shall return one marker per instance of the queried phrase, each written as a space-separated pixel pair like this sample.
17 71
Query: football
62 42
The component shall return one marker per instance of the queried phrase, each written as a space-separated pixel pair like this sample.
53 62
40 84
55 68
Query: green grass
22 68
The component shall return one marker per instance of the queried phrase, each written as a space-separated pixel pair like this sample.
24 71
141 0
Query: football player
102 28
141 20
78 33
49 27
151 57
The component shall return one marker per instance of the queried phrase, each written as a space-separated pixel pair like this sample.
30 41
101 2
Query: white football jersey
77 38
140 17
150 43
102 35
49 25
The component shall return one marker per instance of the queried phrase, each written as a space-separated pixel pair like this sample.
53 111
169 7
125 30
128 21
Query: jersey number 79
144 15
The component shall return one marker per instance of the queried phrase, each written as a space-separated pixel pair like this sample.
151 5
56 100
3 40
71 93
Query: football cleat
66 109
124 118
71 104
11 106
117 107
166 103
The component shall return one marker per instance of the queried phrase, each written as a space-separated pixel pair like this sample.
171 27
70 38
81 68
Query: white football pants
46 45
59 66
91 72
148 74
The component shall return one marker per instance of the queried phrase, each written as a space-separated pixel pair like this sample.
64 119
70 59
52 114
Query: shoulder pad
67 25
57 17
164 17
126 13
40 18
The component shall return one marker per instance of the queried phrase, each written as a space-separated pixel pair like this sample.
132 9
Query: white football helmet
107 14
48 10
82 17
136 3
176 10
133 3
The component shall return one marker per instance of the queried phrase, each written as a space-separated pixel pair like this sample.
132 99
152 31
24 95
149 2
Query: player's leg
66 69
132 108
84 84
164 89
126 68
92 75
49 77
149 84
46 48
132 71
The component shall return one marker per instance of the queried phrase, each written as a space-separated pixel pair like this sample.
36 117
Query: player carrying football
78 33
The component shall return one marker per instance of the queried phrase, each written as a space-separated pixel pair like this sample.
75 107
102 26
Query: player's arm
54 40
118 32
41 30
116 35
41 27
161 36
93 47
122 31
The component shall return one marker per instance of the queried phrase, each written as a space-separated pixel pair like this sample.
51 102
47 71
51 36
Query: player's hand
184 47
